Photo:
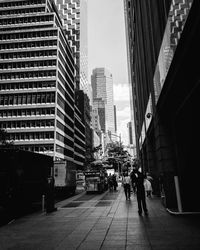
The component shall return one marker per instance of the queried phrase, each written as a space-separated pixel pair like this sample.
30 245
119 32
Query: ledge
173 212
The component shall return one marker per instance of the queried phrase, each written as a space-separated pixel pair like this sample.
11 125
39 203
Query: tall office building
163 48
74 16
36 78
102 91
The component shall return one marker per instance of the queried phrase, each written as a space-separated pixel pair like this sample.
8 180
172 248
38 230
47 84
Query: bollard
43 202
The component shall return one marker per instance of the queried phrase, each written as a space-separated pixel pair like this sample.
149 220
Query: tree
115 148
116 155
89 154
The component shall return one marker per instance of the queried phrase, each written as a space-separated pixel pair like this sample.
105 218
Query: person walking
138 179
110 182
126 181
132 182
115 184
147 187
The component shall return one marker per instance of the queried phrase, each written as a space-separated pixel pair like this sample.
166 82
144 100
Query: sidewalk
105 221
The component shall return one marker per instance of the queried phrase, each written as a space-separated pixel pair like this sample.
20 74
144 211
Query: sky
107 48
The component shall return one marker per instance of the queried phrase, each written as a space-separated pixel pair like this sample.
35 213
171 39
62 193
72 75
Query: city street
103 221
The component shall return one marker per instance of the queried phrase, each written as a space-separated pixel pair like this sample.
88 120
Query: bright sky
107 48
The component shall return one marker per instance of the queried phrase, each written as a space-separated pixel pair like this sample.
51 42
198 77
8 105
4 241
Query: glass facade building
102 91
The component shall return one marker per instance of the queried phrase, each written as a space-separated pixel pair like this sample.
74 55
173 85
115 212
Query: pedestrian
115 184
132 182
138 179
110 182
148 187
126 181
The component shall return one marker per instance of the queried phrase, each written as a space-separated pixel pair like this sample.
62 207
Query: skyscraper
36 79
102 92
74 16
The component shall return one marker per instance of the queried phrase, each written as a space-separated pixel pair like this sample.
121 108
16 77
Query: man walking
138 179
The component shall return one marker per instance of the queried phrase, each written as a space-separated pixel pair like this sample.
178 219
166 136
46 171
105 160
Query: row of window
25 65
27 112
28 27
64 46
65 118
27 75
30 136
28 45
68 76
79 150
65 106
78 158
21 11
67 65
25 19
80 135
27 124
79 125
28 35
64 140
29 54
65 129
27 85
35 98
66 94
38 148
65 151
21 3
68 85
79 142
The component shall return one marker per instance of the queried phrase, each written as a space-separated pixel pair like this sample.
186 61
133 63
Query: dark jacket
138 179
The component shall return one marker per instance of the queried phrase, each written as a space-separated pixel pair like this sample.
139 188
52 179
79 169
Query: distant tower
102 88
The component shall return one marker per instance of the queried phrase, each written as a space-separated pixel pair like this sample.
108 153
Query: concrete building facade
74 17
37 84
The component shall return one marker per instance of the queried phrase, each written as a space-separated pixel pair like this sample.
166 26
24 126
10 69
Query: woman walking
126 181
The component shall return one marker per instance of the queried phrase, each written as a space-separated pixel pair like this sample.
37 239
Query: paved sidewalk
105 221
